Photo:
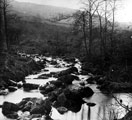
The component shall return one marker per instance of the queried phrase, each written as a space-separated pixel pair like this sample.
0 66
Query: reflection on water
105 109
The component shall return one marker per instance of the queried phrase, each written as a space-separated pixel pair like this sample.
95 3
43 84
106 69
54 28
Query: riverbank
17 67
110 78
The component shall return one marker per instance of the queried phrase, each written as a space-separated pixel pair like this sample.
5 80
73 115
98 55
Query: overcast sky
123 15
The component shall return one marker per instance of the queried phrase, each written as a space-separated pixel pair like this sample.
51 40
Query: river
105 109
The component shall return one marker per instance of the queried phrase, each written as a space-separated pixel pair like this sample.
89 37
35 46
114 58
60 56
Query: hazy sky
124 14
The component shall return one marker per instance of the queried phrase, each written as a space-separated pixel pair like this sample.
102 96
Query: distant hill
43 11
29 11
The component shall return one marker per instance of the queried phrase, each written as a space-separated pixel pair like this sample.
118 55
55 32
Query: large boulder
68 71
61 99
12 89
86 92
52 96
57 83
71 97
35 106
29 86
67 79
53 62
26 103
80 91
12 115
42 107
10 109
47 88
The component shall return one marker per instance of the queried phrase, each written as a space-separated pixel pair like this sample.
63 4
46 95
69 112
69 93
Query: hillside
42 11
30 11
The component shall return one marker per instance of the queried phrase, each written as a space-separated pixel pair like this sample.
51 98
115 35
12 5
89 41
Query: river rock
42 107
45 76
12 115
62 110
35 106
10 109
45 70
35 117
54 94
71 97
4 91
61 99
12 89
80 91
53 62
70 60
67 79
26 103
57 83
47 88
86 92
64 100
42 77
27 106
68 71
29 86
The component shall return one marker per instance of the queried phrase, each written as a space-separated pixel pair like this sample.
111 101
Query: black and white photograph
65 59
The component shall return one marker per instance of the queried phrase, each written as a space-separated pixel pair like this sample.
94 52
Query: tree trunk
90 29
113 27
101 36
105 28
90 35
5 21
84 34
3 47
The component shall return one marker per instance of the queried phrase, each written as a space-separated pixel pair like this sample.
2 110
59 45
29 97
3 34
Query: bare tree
113 9
80 25
3 47
6 6
84 31
90 6
105 12
100 14
106 15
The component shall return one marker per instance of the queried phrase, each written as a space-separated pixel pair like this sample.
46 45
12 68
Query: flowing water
106 106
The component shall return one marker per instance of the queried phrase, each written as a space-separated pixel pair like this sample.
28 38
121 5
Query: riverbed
106 106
